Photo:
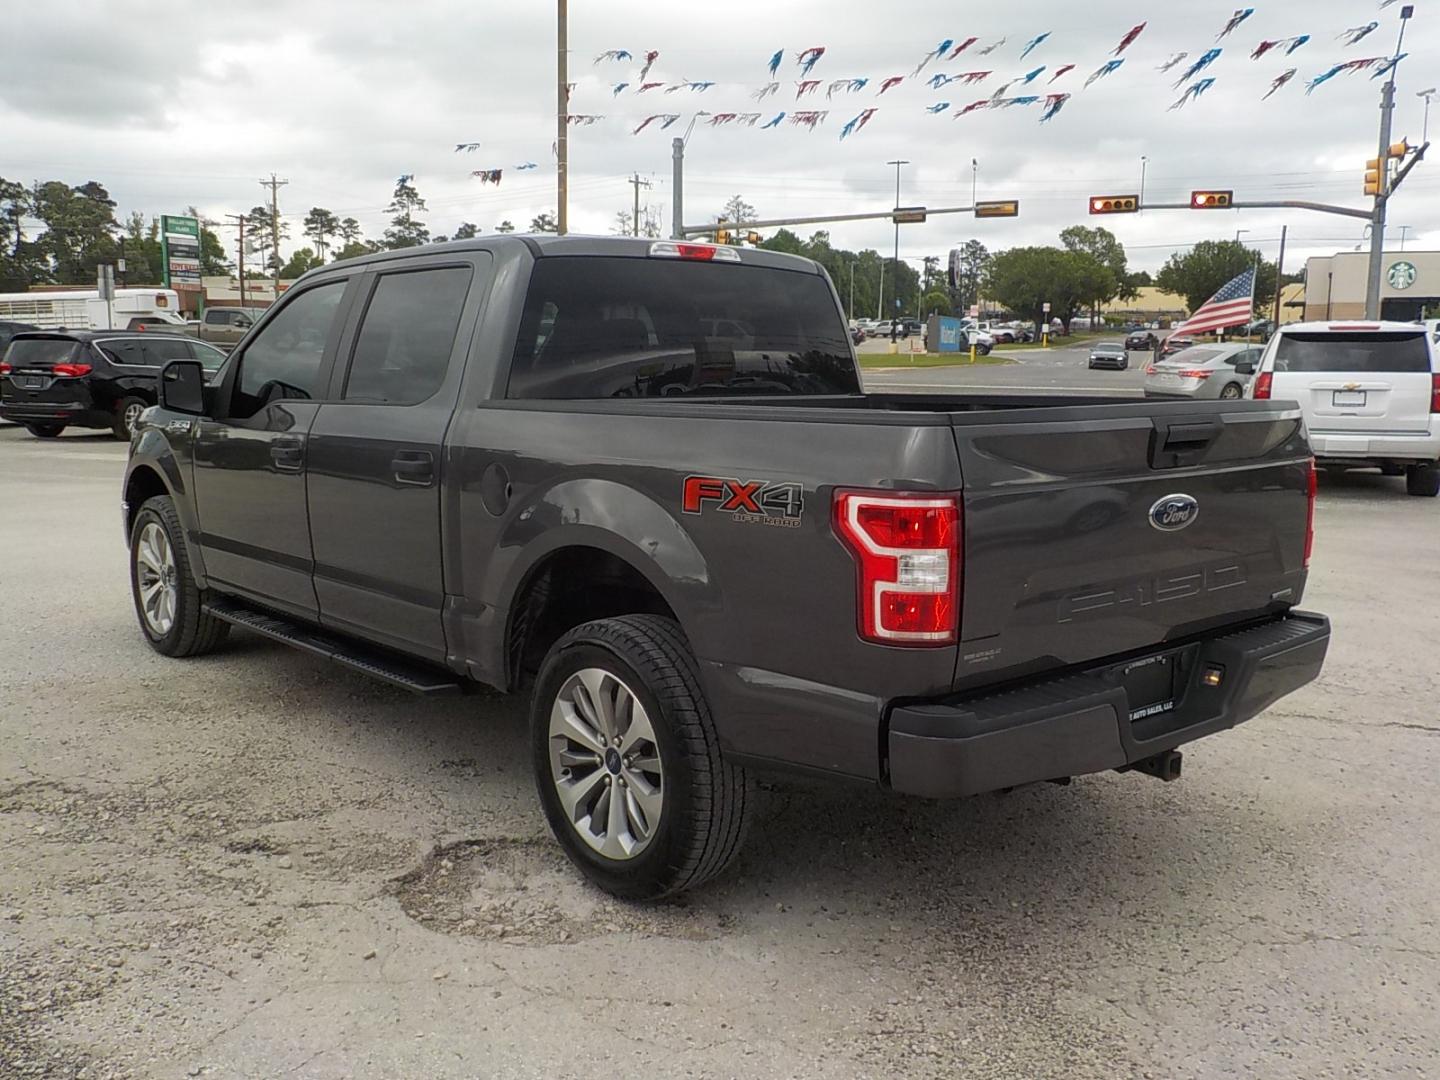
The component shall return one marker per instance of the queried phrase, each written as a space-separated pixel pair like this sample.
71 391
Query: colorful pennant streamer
1175 58
961 47
1356 34
468 147
1032 76
938 107
488 176
893 80
648 86
766 90
1128 40
1061 71
669 119
1280 80
991 48
808 86
809 58
650 58
934 54
1241 14
775 61
774 121
809 118
1191 93
859 121
1103 70
613 54
1038 39
1053 104
1198 66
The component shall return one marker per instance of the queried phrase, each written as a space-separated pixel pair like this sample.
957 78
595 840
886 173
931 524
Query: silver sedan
1202 372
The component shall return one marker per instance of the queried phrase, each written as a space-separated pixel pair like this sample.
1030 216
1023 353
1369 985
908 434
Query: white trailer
82 309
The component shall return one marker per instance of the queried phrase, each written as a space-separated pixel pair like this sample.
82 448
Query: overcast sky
171 105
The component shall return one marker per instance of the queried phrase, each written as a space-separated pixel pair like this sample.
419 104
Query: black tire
982 349
1422 480
1231 391
45 431
706 798
125 408
193 632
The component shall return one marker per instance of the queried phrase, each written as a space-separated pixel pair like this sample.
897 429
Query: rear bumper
1082 723
1363 446
46 412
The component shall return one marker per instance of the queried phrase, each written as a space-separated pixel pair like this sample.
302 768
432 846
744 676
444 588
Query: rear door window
1355 352
602 327
129 351
160 351
403 349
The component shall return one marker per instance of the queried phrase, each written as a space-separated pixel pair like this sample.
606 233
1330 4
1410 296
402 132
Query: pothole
525 892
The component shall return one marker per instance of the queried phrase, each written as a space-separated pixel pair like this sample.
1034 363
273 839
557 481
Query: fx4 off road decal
752 502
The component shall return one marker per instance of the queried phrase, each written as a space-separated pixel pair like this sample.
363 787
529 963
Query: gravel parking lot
255 864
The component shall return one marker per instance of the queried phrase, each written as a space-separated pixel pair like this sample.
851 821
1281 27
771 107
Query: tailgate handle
1176 444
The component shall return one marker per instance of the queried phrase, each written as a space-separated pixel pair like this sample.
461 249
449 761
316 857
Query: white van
1370 393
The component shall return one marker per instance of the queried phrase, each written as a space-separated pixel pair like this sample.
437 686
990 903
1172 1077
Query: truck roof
1341 326
541 245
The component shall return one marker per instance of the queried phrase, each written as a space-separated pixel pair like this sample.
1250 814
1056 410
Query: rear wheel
45 431
1423 480
127 415
1231 391
167 600
628 763
983 349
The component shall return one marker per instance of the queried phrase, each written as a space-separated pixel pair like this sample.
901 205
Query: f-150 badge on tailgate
1174 512
750 501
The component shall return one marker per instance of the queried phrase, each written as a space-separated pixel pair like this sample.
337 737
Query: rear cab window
1358 351
618 327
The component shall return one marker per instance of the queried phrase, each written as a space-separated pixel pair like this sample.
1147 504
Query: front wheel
45 431
167 600
1423 480
628 763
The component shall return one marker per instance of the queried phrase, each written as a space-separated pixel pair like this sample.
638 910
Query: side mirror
1245 367
182 387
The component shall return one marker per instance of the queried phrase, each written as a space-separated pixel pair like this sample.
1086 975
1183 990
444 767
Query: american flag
1231 306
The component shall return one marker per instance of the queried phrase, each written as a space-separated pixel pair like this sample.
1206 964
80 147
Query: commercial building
1409 285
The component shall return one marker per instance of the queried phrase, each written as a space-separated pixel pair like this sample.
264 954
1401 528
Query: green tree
935 303
303 259
467 231
1025 279
1199 273
738 210
79 231
974 265
263 237
505 227
348 230
1101 245
356 248
405 229
20 263
320 225
541 222
785 241
143 262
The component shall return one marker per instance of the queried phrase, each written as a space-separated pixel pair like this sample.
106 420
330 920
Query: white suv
1370 393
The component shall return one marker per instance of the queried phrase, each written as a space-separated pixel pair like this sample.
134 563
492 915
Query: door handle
414 467
288 453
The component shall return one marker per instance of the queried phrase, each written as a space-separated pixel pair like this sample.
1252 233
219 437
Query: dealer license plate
1349 399
1150 686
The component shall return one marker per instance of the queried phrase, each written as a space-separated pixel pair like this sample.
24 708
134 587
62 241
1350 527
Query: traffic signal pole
1277 204
1384 188
780 223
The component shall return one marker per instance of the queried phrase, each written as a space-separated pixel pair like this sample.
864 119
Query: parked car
8 330
53 379
1203 371
223 327
516 461
1141 339
1109 354
1370 393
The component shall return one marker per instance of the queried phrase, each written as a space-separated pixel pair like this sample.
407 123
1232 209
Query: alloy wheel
156 578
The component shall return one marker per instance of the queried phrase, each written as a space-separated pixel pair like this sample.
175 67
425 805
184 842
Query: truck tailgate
1135 526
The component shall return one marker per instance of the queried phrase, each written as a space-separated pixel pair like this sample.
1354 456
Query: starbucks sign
1401 275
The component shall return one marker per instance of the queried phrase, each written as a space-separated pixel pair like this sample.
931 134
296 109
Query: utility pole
1382 194
562 118
1144 161
275 185
239 220
1279 273
637 184
677 186
850 311
895 273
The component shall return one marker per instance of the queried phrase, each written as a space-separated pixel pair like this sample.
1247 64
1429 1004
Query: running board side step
408 675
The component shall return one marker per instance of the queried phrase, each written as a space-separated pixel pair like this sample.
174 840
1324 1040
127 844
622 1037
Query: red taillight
73 371
1196 373
1312 485
907 555
1151 369
5 368
1262 385
1434 391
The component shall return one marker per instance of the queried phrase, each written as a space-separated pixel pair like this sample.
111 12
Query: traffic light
1211 200
1115 204
1372 177
1399 149
722 236
754 239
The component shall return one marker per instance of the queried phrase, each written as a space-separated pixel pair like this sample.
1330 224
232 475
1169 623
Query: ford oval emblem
1174 512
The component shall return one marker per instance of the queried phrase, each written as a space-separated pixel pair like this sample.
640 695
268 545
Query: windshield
597 327
1363 351
41 352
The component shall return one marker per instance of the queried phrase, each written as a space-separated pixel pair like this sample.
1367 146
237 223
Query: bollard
972 352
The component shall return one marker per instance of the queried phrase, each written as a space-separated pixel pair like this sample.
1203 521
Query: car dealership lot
255 862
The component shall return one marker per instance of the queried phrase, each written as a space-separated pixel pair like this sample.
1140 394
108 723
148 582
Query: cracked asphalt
258 865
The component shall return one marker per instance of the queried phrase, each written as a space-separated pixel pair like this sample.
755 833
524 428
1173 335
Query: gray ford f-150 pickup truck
641 482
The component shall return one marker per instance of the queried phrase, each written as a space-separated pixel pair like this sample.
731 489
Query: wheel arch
153 470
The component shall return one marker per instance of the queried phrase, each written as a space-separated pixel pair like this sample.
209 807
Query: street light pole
1143 162
562 118
1425 125
895 268
1382 195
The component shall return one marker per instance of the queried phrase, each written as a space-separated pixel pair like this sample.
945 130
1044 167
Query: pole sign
908 215
1046 307
1005 208
180 251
